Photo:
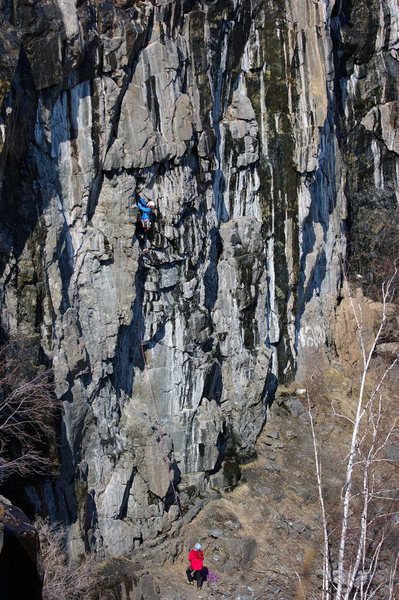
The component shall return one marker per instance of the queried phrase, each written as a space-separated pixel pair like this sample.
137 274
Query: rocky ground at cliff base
258 536
266 534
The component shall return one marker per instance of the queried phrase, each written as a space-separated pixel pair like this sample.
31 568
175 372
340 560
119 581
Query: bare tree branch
363 547
27 416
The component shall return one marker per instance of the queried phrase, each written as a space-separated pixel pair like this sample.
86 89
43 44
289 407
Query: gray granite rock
243 123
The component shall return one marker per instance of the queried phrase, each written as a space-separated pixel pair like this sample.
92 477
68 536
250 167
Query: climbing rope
161 434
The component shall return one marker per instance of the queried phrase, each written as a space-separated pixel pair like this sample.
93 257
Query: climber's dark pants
198 576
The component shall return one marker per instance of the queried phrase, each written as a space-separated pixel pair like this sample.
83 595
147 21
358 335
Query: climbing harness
146 223
162 435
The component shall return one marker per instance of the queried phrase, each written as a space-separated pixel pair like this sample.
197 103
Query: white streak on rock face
70 135
383 120
397 181
380 40
312 337
289 243
217 115
378 174
389 21
272 316
69 17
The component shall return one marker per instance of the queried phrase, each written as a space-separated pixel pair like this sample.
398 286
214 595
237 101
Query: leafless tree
27 413
365 504
61 579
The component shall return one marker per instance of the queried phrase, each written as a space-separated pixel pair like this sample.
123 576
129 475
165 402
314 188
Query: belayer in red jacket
196 571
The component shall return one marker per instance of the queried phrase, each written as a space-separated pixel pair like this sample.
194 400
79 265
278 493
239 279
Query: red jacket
196 559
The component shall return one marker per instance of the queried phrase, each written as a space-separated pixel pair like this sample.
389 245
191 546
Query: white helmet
197 546
151 204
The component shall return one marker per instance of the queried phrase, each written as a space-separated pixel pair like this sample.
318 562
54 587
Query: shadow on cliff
131 344
323 192
20 205
128 349
322 183
19 558
29 184
211 276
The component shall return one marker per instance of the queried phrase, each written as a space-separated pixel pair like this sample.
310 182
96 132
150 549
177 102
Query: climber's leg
190 577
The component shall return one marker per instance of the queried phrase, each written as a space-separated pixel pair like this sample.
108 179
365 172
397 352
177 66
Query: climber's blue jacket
144 208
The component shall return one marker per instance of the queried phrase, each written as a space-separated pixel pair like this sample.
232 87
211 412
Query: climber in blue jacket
146 208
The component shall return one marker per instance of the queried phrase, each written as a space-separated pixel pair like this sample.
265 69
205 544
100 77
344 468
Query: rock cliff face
265 132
